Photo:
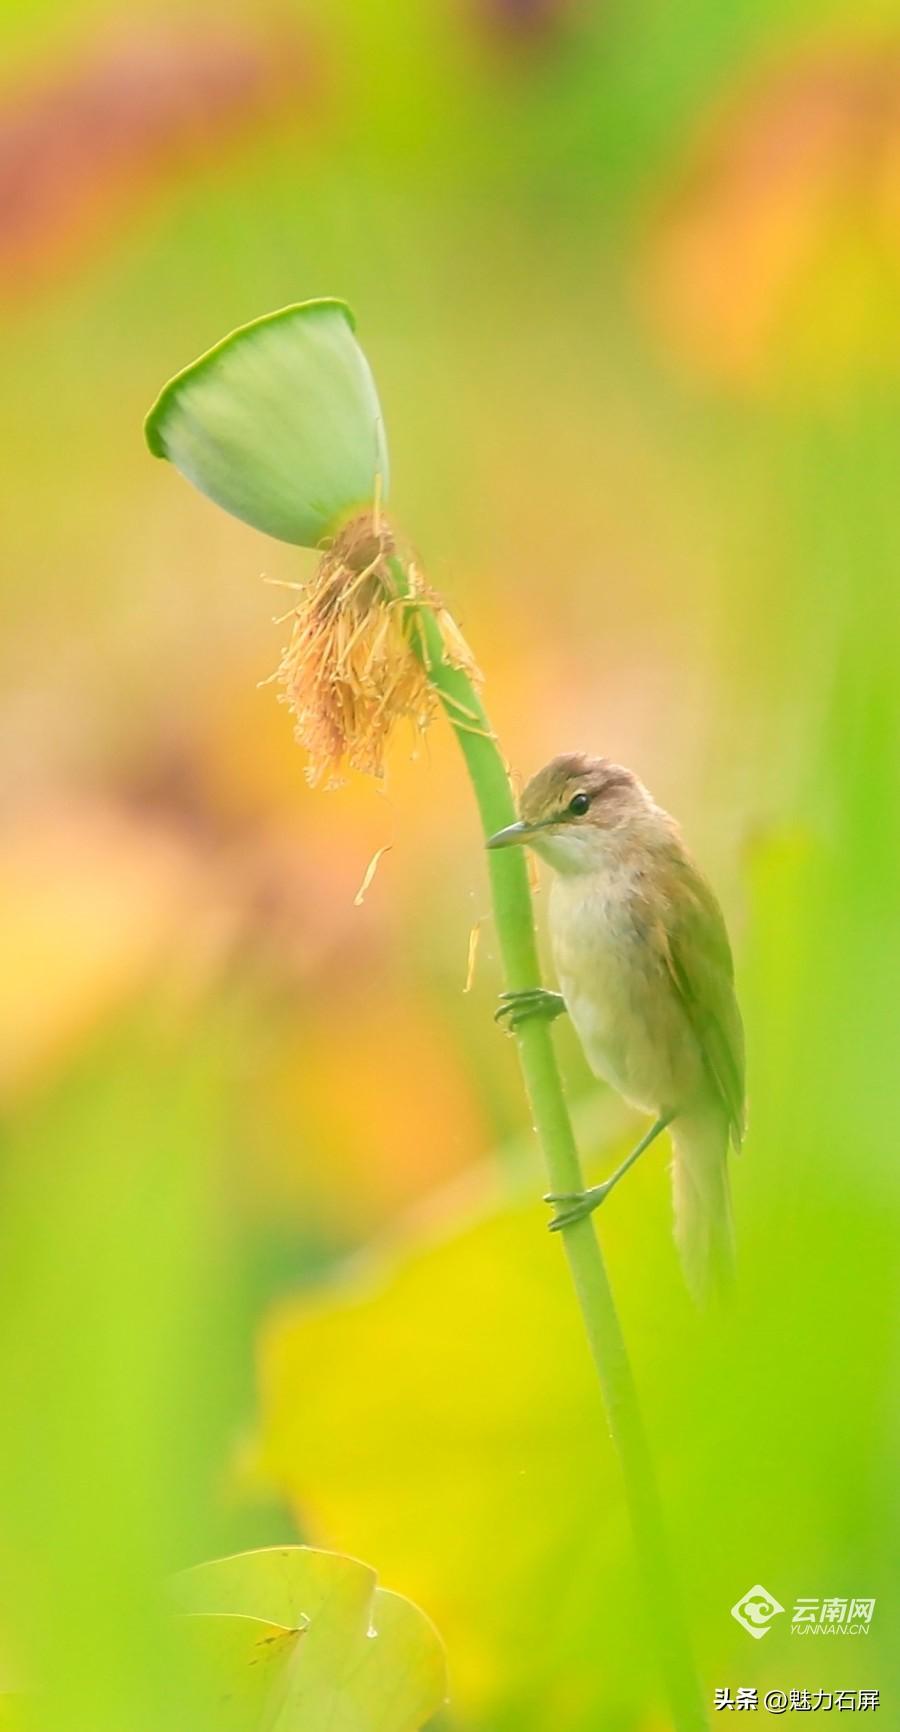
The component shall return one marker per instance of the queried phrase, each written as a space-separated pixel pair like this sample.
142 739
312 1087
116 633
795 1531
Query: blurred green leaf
341 1651
279 423
113 1306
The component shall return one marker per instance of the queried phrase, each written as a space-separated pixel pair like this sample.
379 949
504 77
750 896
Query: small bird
643 960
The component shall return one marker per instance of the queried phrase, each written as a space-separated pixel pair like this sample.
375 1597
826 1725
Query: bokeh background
273 1256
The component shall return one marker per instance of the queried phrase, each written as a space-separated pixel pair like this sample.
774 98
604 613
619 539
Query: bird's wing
698 956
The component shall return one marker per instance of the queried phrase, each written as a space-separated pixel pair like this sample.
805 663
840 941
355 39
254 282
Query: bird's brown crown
574 786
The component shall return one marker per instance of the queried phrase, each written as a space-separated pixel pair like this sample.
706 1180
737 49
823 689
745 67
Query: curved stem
516 934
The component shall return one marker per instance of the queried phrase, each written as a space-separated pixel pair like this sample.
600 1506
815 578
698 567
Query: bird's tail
703 1227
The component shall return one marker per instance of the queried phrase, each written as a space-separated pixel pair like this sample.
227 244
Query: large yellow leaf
441 1405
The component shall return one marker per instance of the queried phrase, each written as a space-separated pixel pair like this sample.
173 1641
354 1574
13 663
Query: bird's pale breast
618 991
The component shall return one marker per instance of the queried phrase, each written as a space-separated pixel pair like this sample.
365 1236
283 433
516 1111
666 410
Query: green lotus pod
279 423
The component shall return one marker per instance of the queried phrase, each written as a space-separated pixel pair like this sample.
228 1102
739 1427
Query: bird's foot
518 1007
582 1204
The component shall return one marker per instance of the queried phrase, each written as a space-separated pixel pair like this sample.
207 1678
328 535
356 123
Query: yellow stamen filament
350 670
474 939
369 874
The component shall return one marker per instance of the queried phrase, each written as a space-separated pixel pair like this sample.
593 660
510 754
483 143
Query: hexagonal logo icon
755 1610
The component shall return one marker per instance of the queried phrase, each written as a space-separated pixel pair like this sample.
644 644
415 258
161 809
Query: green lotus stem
514 919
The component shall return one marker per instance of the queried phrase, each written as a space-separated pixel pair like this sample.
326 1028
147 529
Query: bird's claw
583 1204
518 1007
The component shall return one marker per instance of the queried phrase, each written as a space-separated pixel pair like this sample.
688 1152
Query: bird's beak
511 835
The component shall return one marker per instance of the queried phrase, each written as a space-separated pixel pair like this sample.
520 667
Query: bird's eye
579 804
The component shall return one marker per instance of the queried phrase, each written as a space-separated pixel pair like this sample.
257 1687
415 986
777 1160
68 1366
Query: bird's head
571 807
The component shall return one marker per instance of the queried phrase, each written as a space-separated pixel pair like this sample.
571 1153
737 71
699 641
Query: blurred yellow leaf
366 1164
91 899
437 1409
440 1413
77 160
778 258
